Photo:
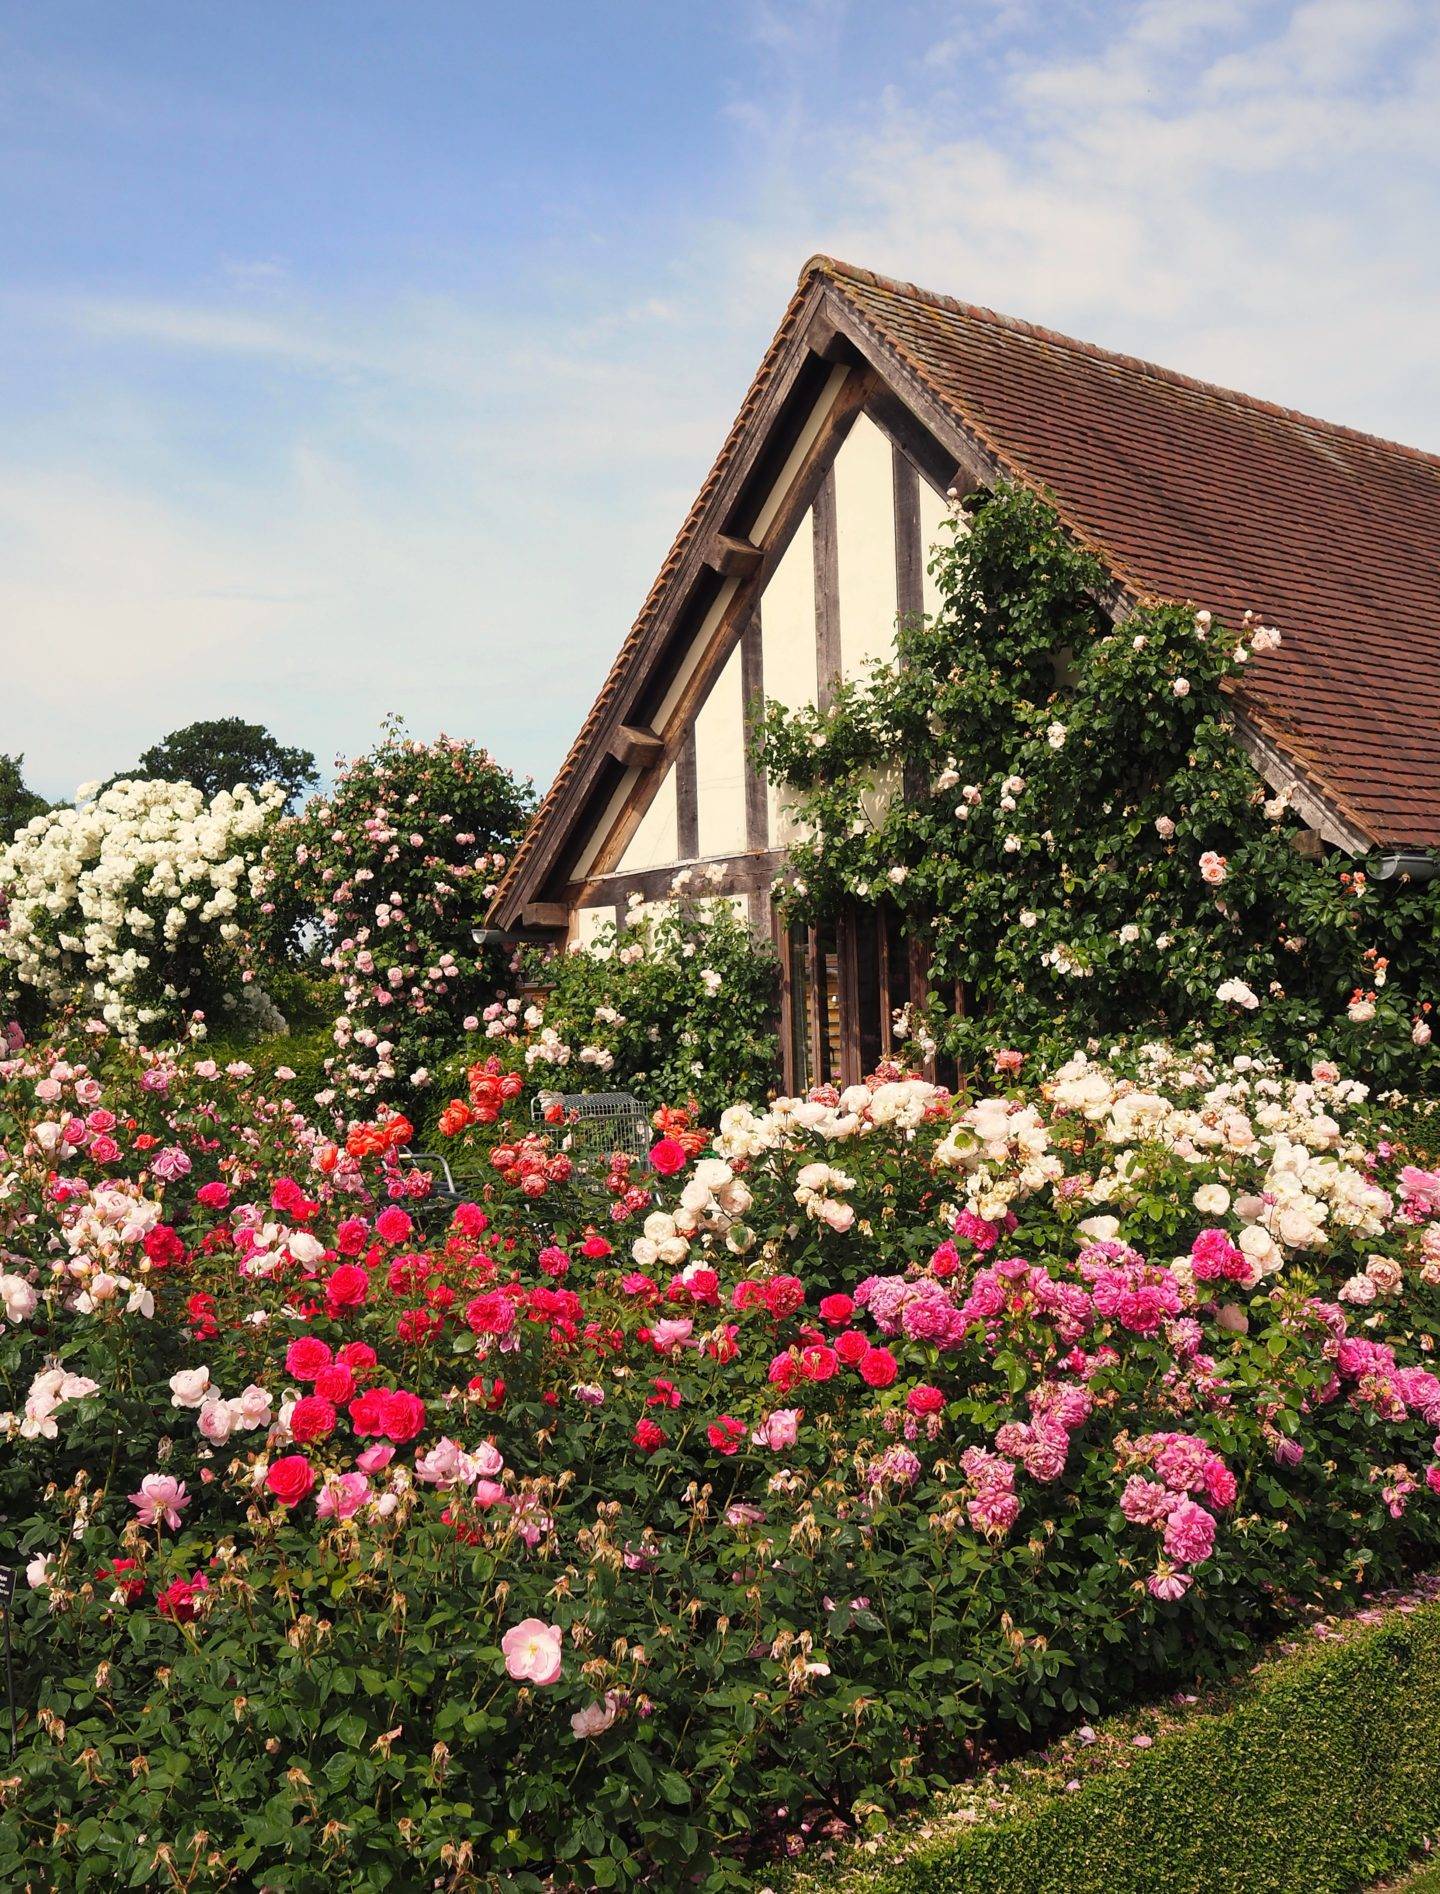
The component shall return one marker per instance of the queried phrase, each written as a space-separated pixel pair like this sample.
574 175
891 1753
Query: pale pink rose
1213 868
252 1408
532 1651
778 1431
835 1215
595 1718
1164 827
190 1387
671 1332
216 1421
343 1496
160 1497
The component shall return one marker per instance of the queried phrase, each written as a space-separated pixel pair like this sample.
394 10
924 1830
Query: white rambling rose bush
137 899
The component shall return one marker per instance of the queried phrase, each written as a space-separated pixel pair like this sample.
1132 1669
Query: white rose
1100 1229
1211 1200
189 1387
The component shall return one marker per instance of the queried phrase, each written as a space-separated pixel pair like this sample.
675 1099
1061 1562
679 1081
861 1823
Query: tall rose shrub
138 903
394 869
621 1538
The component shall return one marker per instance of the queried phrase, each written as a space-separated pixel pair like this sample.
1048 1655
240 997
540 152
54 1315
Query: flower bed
588 1540
1319 1772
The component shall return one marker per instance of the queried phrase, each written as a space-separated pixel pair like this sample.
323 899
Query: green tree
221 752
17 803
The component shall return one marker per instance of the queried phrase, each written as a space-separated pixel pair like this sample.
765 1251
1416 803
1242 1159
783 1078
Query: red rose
290 1479
819 1363
879 1368
725 1434
357 1355
163 1246
393 1225
667 1156
306 1356
648 1436
836 1311
367 1411
923 1399
312 1418
336 1383
404 1416
783 1295
177 1601
115 1574
347 1288
852 1347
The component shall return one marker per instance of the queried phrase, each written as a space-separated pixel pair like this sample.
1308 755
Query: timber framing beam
753 872
734 558
635 747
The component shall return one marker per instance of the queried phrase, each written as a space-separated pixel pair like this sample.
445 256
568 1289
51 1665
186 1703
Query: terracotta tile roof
1188 492
1194 492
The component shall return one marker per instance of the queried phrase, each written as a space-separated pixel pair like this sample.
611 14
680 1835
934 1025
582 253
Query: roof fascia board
663 607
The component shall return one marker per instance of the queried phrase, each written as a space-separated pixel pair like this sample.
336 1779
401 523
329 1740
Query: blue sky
365 357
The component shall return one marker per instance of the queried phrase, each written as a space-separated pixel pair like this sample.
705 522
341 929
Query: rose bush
378 1541
1077 837
394 868
680 1003
138 902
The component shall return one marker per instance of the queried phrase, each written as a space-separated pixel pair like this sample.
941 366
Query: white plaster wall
865 539
720 763
787 646
588 923
656 839
933 515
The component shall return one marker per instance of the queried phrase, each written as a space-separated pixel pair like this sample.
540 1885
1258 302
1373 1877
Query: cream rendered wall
933 514
656 841
720 764
588 922
865 541
787 646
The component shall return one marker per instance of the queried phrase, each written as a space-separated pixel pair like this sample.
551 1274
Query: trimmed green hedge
1319 1775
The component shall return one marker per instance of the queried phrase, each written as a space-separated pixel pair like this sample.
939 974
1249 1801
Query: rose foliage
679 1003
375 1541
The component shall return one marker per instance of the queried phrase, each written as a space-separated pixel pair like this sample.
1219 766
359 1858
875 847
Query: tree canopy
222 752
17 803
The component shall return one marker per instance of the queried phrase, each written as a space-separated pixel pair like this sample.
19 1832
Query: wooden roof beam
635 746
733 558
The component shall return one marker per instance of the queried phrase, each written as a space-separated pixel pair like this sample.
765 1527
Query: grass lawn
1425 1880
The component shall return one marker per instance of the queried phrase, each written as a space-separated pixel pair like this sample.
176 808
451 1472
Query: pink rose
778 1431
532 1651
161 1497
